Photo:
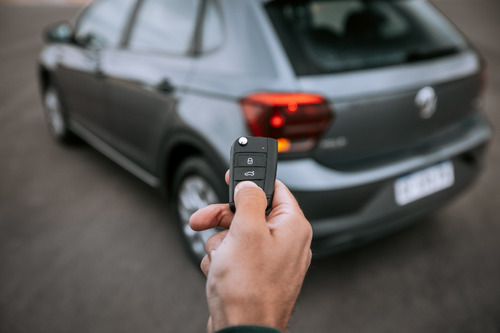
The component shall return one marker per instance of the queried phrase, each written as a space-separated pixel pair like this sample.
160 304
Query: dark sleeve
249 329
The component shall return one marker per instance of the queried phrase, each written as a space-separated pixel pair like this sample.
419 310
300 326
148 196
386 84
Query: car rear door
146 78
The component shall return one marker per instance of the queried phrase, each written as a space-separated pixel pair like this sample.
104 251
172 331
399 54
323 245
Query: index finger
212 216
283 197
286 215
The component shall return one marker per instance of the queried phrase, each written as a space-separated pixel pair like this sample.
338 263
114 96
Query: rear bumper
380 214
355 207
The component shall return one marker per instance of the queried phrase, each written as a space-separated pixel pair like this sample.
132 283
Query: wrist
251 313
248 329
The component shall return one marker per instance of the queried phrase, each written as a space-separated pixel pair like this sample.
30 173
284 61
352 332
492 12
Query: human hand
256 268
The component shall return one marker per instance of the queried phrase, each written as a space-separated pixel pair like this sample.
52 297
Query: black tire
195 186
56 116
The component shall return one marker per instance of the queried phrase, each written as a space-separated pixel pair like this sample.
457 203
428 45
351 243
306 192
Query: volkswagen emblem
426 101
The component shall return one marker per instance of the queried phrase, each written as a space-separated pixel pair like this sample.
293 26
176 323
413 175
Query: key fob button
252 160
241 174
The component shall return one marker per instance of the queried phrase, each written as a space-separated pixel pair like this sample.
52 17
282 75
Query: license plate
423 183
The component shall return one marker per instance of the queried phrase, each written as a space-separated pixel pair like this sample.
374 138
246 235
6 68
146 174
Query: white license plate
423 183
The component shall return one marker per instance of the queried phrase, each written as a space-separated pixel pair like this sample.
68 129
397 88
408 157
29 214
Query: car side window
103 23
212 33
164 26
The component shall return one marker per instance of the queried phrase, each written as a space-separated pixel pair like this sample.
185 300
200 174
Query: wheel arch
44 78
180 146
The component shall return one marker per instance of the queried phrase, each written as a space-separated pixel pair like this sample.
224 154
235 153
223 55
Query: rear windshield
343 35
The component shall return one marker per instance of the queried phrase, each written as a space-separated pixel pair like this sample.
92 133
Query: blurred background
85 246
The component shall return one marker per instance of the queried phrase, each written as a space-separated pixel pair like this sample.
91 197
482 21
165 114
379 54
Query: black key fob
254 159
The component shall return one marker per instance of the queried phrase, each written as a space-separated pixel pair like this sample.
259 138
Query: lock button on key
251 160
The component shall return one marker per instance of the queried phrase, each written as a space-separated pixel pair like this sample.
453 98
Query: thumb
250 201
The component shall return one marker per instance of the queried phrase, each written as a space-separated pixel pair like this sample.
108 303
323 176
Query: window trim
192 45
130 23
198 43
194 48
124 30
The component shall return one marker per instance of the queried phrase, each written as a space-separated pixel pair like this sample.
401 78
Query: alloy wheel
195 193
53 113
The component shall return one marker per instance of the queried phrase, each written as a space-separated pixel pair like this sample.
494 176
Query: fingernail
243 185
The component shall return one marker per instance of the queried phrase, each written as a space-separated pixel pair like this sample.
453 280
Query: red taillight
299 119
277 120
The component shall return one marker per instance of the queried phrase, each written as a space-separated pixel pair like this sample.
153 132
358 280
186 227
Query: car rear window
344 35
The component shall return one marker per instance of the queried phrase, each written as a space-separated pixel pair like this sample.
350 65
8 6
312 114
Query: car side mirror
90 41
59 33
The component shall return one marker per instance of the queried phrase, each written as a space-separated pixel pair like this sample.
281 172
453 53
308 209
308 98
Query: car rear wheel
196 185
55 116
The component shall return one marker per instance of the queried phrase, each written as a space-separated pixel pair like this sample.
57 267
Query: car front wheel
196 185
55 116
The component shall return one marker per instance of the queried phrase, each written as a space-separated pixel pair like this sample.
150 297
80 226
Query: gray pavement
86 247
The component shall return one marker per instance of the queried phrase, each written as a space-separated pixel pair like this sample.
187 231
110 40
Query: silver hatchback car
376 104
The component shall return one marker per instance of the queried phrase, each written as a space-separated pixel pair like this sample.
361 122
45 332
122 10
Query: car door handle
165 86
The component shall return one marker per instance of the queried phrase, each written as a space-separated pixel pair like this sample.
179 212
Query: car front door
80 76
148 77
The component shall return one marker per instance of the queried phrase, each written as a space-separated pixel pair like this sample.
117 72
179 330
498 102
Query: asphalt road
86 247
